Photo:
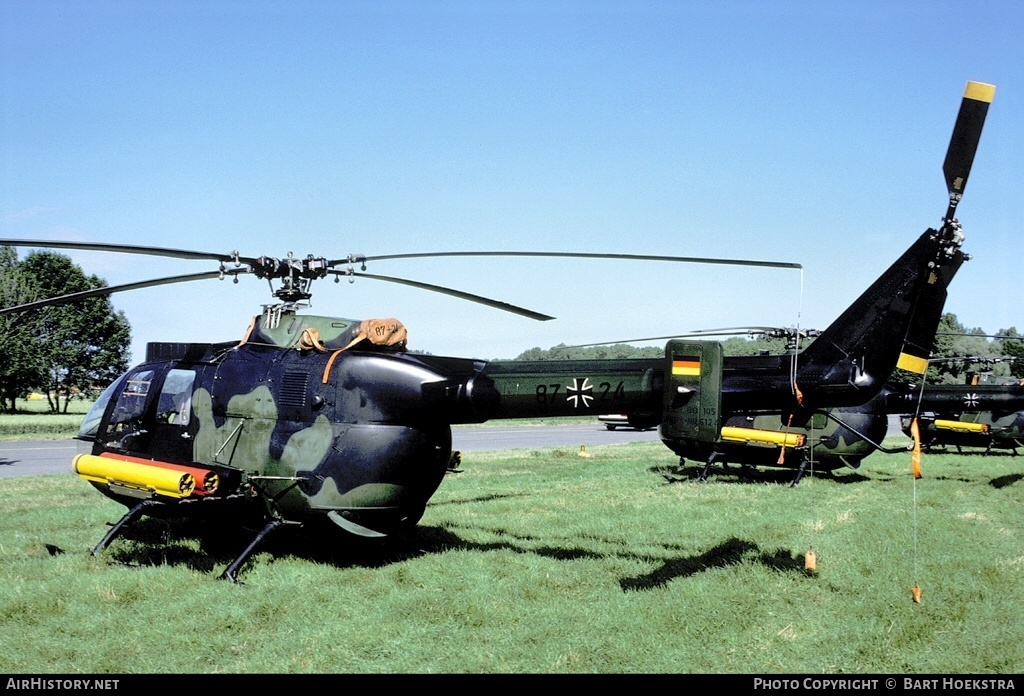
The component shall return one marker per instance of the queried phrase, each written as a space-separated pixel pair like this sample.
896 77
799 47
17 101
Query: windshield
91 425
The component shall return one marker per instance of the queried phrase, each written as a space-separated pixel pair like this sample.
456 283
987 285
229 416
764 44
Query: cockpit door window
125 430
175 405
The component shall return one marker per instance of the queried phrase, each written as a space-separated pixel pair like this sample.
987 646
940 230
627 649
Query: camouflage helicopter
308 420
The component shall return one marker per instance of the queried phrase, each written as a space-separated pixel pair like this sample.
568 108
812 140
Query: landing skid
712 459
148 506
717 457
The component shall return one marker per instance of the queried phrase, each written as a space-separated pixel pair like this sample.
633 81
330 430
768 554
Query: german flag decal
686 367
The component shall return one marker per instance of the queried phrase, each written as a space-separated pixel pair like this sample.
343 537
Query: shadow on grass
730 552
737 473
209 546
431 540
1004 481
208 549
972 451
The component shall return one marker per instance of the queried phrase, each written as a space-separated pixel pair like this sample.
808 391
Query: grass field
33 421
540 561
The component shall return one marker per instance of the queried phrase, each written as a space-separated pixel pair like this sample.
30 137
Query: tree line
64 351
958 355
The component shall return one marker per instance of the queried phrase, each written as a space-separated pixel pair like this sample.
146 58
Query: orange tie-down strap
310 340
388 333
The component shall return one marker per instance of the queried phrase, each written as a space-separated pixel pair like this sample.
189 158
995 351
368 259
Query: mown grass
32 420
541 561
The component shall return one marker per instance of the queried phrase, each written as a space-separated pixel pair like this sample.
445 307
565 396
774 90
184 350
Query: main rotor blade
128 249
977 359
497 304
98 292
251 260
734 331
977 335
577 255
964 142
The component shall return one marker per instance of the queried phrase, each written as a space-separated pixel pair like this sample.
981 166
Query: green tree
19 371
1013 349
616 351
759 345
732 346
960 351
79 346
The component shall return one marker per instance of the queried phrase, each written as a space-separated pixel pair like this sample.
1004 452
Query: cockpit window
91 424
131 402
175 406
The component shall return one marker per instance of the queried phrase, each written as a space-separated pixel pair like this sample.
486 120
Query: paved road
54 456
535 436
25 458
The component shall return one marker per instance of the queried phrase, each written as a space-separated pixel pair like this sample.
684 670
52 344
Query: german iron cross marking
581 390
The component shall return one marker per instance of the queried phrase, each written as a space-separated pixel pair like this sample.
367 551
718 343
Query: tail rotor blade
964 143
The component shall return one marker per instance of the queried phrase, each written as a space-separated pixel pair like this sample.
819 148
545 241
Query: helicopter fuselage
987 416
360 436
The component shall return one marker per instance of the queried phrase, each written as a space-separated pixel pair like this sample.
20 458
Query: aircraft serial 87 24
308 420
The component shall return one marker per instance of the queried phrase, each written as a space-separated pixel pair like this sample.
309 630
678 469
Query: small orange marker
915 458
916 591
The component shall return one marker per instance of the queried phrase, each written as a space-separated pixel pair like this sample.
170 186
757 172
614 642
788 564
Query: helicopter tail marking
689 367
912 363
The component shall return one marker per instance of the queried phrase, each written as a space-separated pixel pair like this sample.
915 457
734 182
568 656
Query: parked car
621 420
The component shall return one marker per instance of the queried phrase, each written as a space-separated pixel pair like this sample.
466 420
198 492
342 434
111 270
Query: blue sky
809 132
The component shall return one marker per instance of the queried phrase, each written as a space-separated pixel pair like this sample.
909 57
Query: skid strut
231 572
707 467
135 512
801 470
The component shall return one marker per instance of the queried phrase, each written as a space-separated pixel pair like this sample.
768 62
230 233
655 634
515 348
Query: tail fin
893 323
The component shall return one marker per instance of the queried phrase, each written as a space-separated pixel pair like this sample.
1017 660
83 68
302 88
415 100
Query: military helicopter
799 435
975 414
308 420
981 413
